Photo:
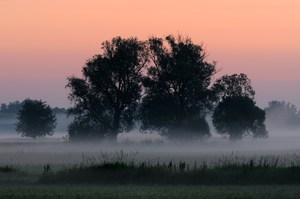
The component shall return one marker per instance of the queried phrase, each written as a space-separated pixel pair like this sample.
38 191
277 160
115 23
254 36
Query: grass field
145 192
264 171
208 170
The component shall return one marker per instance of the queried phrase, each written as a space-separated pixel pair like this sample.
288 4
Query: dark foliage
35 119
176 89
236 113
239 116
107 95
11 107
236 85
9 111
80 130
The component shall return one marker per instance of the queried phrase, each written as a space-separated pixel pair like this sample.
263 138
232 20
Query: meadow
145 192
217 168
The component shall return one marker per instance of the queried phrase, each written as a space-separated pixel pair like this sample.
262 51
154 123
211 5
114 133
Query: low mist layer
24 152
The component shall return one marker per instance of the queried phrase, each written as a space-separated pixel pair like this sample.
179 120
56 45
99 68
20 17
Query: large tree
177 88
35 119
236 113
108 93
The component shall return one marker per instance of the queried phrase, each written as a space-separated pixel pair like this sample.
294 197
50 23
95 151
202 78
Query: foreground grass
121 177
121 169
135 191
122 172
12 175
7 169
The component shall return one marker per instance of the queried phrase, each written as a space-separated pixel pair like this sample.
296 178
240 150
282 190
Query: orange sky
42 42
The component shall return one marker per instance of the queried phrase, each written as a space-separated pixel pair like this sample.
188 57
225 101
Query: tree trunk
112 137
115 128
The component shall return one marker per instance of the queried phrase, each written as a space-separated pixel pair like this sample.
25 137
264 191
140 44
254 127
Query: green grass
153 192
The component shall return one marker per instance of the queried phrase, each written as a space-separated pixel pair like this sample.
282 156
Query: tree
82 129
35 119
3 108
108 93
236 85
239 116
236 114
11 108
176 89
282 115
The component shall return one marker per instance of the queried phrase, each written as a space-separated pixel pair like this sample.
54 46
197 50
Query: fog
56 150
7 126
281 128
27 152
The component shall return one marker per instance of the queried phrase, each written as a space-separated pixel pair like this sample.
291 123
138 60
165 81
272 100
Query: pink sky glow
43 42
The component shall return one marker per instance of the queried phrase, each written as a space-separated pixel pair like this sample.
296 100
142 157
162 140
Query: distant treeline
10 110
282 115
9 116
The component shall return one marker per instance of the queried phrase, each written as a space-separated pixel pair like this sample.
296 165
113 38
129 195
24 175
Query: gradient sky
42 42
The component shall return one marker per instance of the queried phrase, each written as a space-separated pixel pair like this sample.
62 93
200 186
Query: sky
43 42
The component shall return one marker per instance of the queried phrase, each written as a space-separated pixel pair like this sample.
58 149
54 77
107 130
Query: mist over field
7 126
18 150
46 158
56 151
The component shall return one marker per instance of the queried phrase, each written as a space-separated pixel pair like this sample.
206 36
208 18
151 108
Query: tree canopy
84 129
35 119
107 95
236 114
236 85
177 88
239 116
11 108
163 84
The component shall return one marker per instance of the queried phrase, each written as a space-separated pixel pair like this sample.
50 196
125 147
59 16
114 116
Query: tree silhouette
176 89
239 116
108 93
35 119
236 85
11 107
236 114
